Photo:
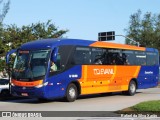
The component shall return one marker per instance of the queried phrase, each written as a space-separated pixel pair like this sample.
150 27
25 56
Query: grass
147 106
143 107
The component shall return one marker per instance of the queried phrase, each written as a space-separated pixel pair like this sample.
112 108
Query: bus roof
51 43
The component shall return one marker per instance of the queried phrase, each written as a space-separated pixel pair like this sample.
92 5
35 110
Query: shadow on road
41 101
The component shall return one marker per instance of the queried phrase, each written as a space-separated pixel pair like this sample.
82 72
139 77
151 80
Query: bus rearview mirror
8 55
54 55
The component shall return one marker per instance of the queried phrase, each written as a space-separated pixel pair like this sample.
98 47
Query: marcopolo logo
103 71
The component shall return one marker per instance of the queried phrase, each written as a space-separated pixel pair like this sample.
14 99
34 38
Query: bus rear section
114 70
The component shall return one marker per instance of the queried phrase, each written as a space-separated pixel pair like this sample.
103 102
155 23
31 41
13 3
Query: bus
81 67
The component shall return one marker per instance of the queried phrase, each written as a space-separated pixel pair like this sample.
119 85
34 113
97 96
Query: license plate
24 94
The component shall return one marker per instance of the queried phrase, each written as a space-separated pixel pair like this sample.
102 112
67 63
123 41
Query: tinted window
63 56
62 59
152 58
114 57
98 56
108 56
128 57
4 82
140 58
82 55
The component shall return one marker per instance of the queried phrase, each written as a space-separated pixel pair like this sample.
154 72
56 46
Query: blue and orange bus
82 67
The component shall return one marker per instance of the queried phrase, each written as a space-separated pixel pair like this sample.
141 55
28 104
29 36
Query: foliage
13 36
145 30
2 64
4 10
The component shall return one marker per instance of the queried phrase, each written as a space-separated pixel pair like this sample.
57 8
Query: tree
4 9
145 30
13 36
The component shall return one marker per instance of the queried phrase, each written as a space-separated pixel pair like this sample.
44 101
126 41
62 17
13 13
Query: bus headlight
12 84
41 85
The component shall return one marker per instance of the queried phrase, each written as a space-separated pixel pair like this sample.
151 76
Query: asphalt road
97 102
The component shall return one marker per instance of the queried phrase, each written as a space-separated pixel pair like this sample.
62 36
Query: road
84 103
97 102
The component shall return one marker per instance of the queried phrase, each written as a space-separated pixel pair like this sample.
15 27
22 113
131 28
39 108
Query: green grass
147 106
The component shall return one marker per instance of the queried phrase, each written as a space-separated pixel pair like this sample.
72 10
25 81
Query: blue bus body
55 86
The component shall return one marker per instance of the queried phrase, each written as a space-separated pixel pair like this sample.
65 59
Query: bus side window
128 57
55 66
140 57
99 56
82 55
152 58
115 57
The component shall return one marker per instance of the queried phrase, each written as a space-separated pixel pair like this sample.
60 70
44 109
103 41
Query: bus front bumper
27 92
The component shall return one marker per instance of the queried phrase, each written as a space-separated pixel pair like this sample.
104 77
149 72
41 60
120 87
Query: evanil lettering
103 71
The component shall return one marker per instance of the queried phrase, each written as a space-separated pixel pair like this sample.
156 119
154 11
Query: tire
132 88
71 93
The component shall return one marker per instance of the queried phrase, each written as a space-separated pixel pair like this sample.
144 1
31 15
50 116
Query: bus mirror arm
8 62
54 55
8 55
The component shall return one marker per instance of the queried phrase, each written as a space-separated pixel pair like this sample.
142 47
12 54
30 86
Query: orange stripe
85 72
137 71
115 45
27 84
107 78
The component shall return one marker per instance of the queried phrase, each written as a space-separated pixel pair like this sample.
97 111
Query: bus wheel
132 88
71 93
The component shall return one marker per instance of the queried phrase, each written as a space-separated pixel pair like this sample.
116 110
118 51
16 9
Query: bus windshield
30 64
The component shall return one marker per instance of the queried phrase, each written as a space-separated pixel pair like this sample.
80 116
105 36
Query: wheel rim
132 88
72 93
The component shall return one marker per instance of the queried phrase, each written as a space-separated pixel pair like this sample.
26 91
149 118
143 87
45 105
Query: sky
83 18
